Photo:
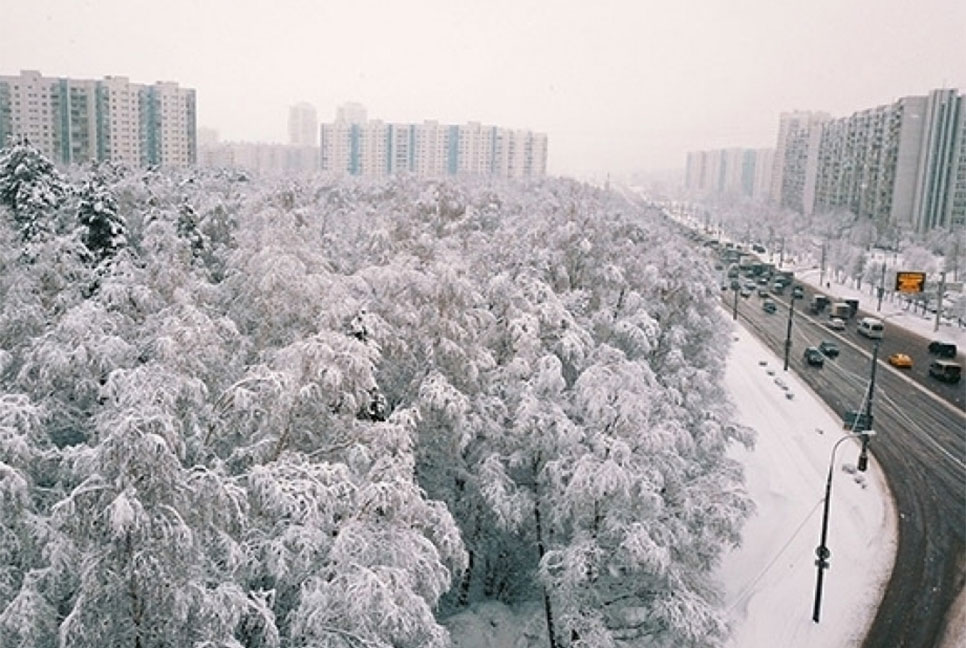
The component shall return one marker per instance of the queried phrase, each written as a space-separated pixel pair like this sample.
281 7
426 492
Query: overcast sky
618 85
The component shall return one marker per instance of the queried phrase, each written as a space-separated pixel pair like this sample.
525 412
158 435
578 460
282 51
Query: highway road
921 446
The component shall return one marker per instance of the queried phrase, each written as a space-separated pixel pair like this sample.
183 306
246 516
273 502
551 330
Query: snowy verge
770 580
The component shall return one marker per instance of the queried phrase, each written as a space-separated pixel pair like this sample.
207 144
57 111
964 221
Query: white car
836 324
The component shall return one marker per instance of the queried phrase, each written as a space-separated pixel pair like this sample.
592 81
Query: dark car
945 371
943 349
797 292
830 349
769 306
814 357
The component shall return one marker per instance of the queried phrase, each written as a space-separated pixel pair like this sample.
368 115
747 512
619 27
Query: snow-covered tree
31 188
105 230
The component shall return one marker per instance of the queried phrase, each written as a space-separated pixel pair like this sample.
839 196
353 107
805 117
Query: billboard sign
910 282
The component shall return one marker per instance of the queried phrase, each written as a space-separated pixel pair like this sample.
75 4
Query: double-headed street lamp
862 428
822 552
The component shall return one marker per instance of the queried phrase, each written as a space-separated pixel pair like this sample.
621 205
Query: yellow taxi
900 360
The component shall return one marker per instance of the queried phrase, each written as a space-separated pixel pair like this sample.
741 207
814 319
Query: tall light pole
822 552
788 332
863 430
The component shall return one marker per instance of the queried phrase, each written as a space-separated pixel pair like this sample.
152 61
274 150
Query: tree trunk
548 609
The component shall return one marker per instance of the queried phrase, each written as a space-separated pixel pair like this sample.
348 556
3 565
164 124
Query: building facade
899 164
355 145
795 166
80 120
303 125
736 172
262 158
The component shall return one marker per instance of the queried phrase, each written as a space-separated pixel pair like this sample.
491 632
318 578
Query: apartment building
900 163
796 160
735 171
78 120
356 145
303 125
268 159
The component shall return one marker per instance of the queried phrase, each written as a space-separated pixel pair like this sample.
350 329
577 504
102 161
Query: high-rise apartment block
303 125
78 120
737 172
796 159
902 163
355 145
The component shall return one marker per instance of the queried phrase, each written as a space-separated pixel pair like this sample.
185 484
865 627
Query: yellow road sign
910 282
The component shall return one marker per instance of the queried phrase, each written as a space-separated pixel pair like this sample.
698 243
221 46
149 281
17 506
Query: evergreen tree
105 231
31 188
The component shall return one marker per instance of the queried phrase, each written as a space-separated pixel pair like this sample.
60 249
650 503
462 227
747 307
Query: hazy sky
617 85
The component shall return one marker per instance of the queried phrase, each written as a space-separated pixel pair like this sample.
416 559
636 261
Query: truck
818 304
840 310
853 306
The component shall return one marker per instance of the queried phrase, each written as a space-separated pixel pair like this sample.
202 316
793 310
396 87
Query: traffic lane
923 477
899 340
930 421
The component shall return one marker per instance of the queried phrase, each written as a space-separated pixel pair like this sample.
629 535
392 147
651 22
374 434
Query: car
745 293
900 360
769 306
813 357
828 348
836 323
797 292
945 371
942 349
763 293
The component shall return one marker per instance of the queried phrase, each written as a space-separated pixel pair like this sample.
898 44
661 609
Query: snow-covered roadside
770 580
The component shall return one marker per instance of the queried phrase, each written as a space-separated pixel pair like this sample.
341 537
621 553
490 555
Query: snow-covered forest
332 414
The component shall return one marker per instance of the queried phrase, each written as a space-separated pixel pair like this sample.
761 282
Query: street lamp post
734 310
788 332
822 552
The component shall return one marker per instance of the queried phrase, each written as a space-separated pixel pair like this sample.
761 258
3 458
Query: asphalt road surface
920 443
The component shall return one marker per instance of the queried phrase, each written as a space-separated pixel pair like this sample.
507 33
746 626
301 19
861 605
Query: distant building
351 112
737 172
207 136
354 145
303 125
261 158
79 120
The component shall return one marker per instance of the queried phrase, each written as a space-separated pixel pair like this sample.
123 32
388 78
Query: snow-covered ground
769 581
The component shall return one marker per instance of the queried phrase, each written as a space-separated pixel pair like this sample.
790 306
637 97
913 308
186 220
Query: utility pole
734 311
881 287
863 456
939 298
821 276
822 552
788 333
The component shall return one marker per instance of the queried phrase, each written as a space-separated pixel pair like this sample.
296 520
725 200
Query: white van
870 327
